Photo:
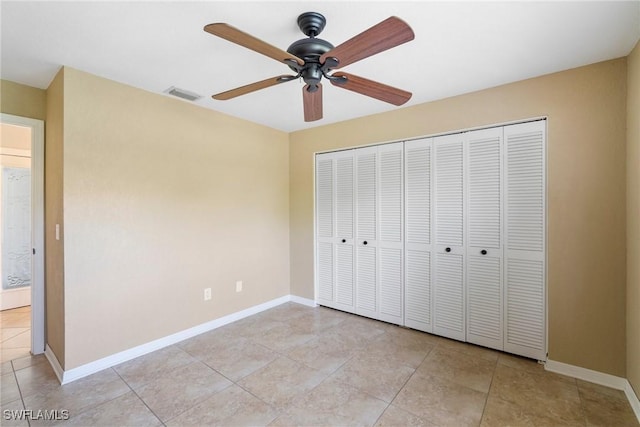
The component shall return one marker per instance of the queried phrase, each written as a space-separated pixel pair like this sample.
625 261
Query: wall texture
586 194
53 211
163 199
21 100
633 219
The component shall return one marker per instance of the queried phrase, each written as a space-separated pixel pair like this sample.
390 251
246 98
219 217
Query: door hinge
34 251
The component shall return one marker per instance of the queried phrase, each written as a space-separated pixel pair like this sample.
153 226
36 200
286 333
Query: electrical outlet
239 286
207 294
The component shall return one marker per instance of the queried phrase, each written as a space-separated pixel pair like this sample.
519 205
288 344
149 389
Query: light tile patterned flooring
302 366
15 326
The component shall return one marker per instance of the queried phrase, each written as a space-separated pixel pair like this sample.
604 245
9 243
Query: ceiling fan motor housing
311 48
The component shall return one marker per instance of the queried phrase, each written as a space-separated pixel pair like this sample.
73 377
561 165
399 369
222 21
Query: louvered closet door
418 246
345 209
367 301
525 298
379 232
449 303
484 238
325 229
390 232
335 210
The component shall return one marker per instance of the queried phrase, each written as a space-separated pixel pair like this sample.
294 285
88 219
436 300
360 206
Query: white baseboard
303 301
633 399
53 361
601 378
70 375
596 377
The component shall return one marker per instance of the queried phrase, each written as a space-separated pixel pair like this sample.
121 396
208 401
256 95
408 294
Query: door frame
37 226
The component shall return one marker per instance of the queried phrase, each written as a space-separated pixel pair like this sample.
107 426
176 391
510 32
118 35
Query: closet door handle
483 252
447 249
344 240
364 243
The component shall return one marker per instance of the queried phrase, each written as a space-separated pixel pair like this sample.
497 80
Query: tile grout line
138 396
14 336
90 407
204 398
582 403
486 399
19 312
15 377
381 414
284 410
405 384
245 376
214 393
399 390
278 411
327 376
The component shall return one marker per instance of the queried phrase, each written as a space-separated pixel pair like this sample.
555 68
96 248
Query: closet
443 234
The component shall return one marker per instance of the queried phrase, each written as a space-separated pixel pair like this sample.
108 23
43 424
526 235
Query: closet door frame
436 247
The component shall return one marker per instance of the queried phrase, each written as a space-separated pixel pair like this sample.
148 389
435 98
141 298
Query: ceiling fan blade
389 33
243 90
373 89
236 36
312 103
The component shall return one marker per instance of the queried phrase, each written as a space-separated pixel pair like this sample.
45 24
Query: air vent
181 93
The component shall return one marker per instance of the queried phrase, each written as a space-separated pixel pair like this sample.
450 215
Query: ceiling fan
313 58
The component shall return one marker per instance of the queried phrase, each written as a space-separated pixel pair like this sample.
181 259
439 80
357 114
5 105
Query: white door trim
37 218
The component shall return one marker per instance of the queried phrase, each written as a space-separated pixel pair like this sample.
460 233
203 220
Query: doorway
21 236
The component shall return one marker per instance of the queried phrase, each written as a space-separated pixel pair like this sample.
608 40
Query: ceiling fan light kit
312 59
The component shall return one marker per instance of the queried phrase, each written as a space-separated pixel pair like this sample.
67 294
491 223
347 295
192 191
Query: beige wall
161 200
27 101
586 194
21 100
633 218
53 211
15 137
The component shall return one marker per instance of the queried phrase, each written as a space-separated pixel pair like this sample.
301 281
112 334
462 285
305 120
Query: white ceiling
459 47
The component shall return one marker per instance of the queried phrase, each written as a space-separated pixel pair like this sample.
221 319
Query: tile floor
15 326
299 366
